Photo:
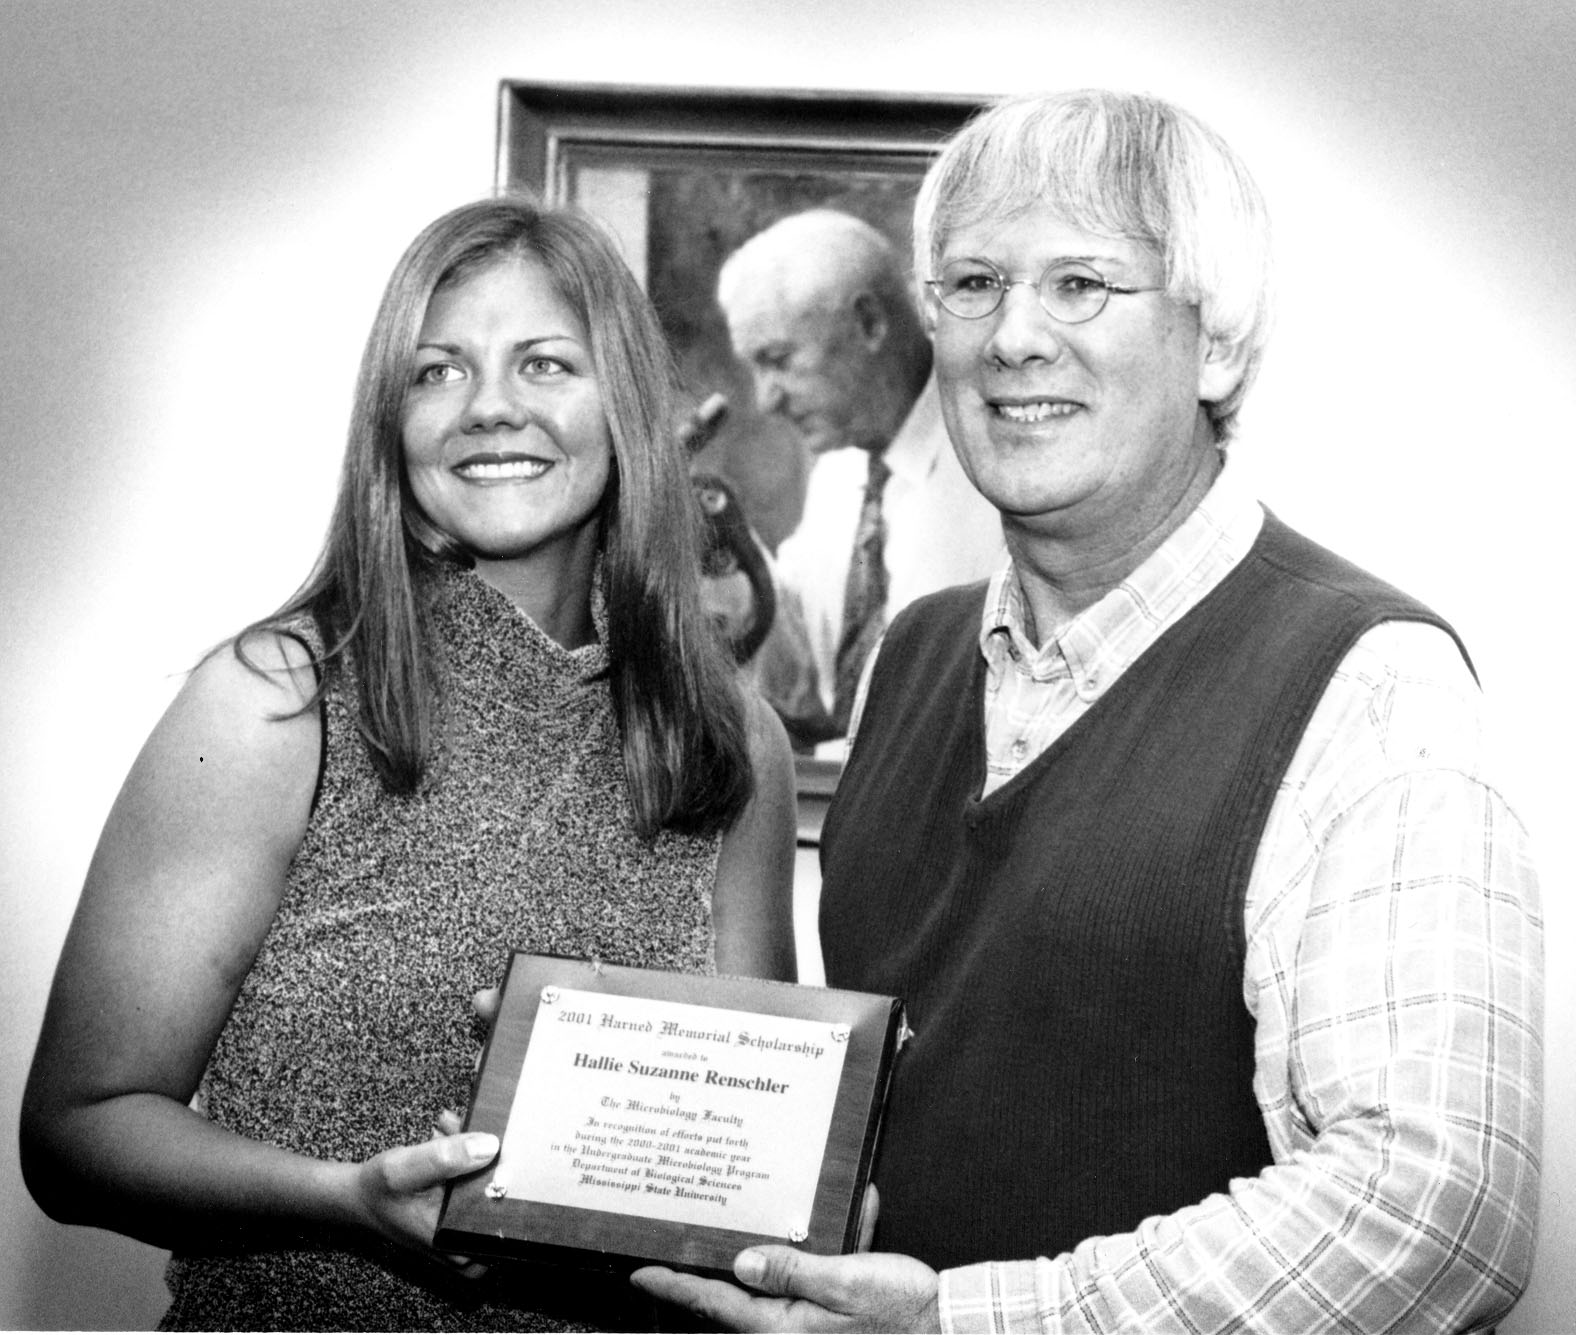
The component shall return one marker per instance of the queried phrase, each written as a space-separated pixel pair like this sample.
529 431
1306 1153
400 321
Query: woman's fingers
412 1169
485 1004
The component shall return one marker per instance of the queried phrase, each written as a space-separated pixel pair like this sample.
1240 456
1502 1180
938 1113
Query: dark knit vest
1071 947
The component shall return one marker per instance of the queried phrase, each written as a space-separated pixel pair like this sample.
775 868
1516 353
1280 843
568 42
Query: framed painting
683 177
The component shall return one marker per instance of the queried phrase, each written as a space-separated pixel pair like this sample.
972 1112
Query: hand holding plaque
671 1117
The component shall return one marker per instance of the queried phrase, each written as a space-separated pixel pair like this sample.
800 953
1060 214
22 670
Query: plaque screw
840 1033
549 996
798 1235
495 1190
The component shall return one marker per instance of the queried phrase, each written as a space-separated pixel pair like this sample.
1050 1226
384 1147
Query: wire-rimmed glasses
1069 290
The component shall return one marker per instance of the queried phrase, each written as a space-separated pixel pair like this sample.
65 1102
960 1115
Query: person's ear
870 320
1221 366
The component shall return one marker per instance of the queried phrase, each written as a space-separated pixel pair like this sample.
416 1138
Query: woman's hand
485 1005
397 1194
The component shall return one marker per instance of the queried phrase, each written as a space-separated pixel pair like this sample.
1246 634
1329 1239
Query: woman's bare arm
181 890
752 901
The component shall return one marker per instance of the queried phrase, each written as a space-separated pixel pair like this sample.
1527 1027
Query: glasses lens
970 288
1073 292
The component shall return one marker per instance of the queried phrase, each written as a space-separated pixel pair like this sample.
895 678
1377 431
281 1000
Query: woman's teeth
502 471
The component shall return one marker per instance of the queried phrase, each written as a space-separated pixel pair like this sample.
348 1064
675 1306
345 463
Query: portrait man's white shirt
939 531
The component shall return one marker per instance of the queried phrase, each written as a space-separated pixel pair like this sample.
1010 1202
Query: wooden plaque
672 1118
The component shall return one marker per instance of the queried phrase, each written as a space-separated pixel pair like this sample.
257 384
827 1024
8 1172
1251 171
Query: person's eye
972 280
541 365
1076 282
438 373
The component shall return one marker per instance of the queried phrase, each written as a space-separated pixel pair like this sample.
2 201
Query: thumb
869 1212
783 1271
414 1168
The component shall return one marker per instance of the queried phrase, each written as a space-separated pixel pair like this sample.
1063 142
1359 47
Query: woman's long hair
675 695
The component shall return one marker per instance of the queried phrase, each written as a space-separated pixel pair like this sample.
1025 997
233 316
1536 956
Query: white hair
820 255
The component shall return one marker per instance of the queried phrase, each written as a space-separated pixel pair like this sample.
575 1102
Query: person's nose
1021 330
770 396
496 401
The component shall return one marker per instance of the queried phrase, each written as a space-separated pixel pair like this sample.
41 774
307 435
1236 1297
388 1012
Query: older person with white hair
820 309
1220 945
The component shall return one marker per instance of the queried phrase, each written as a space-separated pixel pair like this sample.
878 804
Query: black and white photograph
1039 524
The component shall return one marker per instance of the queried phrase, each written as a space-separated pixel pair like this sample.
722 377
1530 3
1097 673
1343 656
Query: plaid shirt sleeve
1395 972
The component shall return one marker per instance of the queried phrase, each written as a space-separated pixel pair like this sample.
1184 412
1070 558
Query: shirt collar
1104 639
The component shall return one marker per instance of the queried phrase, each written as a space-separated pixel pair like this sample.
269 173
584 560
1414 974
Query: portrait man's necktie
864 596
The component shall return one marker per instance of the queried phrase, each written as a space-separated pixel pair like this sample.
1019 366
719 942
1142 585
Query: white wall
199 202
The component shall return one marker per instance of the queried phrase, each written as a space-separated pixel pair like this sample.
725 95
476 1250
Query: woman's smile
502 468
507 446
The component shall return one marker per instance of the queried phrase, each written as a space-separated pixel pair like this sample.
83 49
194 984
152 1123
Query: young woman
494 718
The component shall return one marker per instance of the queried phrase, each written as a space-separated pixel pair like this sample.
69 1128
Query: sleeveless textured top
354 1027
1071 946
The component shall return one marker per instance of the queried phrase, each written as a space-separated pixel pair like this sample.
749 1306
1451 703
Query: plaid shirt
1394 971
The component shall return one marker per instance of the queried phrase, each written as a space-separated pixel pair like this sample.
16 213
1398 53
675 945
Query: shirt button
1020 748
